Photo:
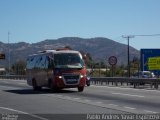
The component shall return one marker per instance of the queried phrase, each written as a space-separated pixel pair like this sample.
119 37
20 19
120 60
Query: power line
148 35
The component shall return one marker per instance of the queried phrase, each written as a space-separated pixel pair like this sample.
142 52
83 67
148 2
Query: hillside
99 48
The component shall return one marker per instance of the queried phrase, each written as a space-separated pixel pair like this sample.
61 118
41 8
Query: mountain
99 48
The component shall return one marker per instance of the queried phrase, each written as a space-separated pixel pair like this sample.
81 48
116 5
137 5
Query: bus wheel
51 86
80 89
34 84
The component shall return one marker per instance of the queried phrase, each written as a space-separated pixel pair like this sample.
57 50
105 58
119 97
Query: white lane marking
129 108
22 83
113 105
148 111
67 97
86 100
128 95
13 110
59 95
21 112
5 82
76 98
98 102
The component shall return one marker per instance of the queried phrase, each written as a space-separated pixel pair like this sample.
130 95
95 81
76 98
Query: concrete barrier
14 77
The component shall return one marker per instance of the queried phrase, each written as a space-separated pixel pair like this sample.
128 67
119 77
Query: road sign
112 60
153 63
150 60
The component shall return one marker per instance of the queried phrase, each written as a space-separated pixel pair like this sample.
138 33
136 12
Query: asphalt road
19 101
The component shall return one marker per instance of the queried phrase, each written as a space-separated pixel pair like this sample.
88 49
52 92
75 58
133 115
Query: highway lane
138 100
17 97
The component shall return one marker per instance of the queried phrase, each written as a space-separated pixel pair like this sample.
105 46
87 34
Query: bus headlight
81 76
60 77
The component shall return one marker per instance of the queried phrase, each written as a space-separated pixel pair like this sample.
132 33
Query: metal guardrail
116 81
153 82
14 77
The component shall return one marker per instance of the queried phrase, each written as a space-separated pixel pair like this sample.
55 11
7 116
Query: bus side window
30 63
38 62
43 62
50 62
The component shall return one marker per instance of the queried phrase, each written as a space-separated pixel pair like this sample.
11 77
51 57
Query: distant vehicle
56 69
88 81
144 74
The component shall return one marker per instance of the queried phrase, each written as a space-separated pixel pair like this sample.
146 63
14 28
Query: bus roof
55 52
60 51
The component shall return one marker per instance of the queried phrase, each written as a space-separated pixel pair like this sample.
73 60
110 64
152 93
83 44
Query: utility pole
9 59
128 38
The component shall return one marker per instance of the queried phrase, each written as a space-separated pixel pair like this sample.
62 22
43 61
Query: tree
19 67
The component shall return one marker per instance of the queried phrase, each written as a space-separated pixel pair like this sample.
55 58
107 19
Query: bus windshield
68 60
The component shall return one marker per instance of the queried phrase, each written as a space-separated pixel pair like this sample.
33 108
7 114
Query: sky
33 21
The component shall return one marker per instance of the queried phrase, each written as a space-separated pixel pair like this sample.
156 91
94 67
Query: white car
144 74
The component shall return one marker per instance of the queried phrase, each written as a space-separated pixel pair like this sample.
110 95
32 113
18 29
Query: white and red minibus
56 69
